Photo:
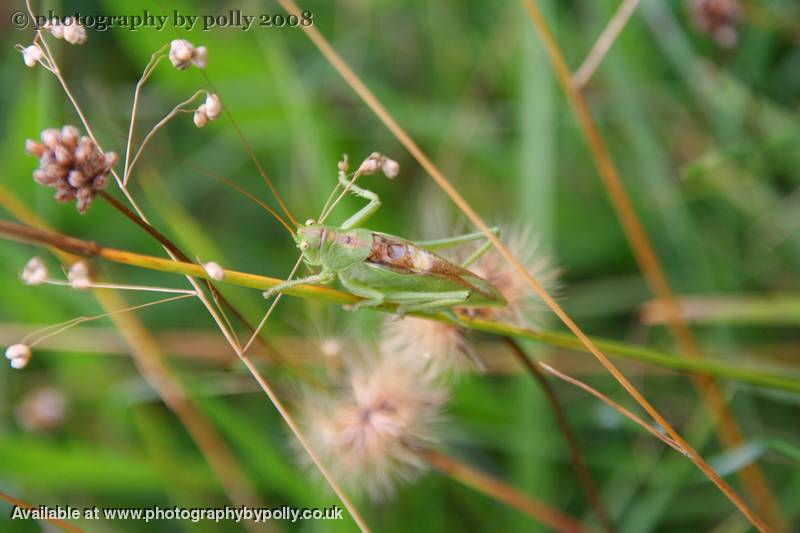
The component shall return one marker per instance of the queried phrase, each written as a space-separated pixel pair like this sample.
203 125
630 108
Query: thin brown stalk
55 521
603 43
369 99
116 204
212 311
503 492
753 480
614 405
150 362
578 465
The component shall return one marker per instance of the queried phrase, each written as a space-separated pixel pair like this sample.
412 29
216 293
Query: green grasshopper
386 269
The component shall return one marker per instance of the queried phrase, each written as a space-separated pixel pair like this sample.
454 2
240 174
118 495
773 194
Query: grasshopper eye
304 245
309 221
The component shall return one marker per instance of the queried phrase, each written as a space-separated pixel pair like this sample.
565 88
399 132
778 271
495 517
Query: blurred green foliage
708 144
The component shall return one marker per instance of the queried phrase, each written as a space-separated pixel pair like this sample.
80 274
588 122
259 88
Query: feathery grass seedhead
522 300
370 433
71 164
718 18
35 272
182 53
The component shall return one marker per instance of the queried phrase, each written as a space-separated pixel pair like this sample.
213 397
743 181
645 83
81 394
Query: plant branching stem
720 369
581 470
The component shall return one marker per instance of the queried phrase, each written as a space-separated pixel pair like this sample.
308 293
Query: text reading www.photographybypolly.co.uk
233 18
192 514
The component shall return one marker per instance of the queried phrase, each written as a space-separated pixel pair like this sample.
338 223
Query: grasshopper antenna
240 190
252 154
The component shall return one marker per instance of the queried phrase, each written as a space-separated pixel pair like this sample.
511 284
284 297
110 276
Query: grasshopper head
309 240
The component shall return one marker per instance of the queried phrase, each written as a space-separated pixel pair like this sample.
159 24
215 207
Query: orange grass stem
500 491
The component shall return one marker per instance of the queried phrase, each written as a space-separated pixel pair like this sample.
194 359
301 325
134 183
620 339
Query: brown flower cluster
73 165
718 18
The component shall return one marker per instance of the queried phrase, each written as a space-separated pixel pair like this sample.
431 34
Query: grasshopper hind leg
372 297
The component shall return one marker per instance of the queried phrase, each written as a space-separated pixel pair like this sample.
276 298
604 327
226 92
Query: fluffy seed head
370 433
18 355
437 346
72 165
493 267
35 272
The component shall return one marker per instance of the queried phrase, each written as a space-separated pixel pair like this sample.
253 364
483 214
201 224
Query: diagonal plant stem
380 111
150 361
603 43
500 491
215 314
12 231
753 480
581 470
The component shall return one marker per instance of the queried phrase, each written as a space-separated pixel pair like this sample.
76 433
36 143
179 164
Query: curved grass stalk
712 396
703 367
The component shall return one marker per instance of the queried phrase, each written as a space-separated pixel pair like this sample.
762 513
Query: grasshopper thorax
332 247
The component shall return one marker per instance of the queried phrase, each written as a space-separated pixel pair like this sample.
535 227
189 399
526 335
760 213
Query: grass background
707 142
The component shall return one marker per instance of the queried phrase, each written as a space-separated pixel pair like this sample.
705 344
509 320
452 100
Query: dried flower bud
33 148
71 164
214 271
390 168
718 18
32 54
74 33
182 53
79 275
200 57
70 136
35 272
213 106
55 28
18 355
200 117
51 138
370 165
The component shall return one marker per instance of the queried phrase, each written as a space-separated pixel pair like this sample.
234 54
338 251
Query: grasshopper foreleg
317 279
